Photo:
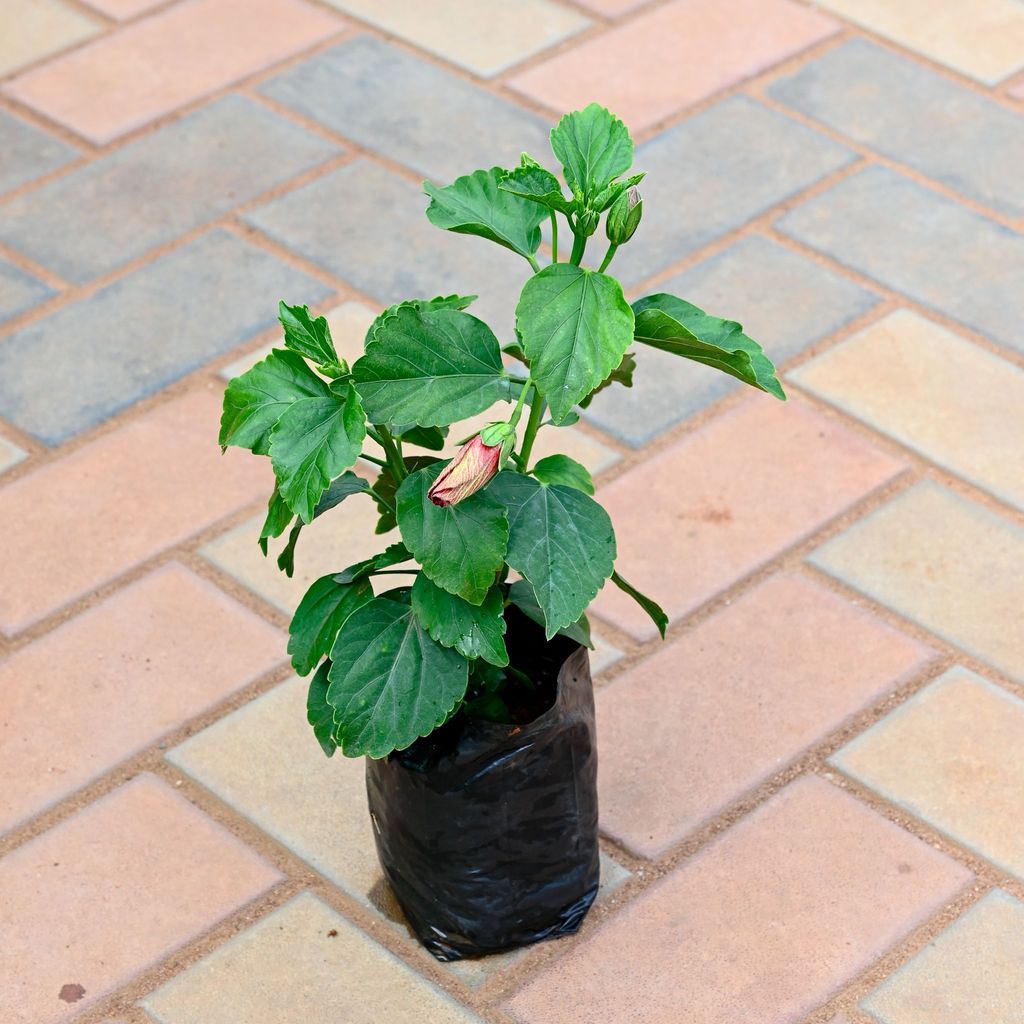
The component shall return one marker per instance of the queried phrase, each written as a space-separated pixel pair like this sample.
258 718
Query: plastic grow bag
487 833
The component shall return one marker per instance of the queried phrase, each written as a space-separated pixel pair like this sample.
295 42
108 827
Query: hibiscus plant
393 664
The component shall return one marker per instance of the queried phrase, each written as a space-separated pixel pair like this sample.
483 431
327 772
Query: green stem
373 459
384 501
554 237
532 426
518 411
383 437
578 247
534 264
607 257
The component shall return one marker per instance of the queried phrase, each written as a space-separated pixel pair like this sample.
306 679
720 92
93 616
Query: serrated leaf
279 516
393 554
308 337
432 438
320 614
575 326
521 594
438 302
386 488
608 195
649 605
677 326
560 540
593 147
344 487
622 374
389 681
286 559
255 400
460 547
430 368
560 469
537 184
319 713
475 631
475 205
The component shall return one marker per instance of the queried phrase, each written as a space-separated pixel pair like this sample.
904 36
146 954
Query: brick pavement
811 793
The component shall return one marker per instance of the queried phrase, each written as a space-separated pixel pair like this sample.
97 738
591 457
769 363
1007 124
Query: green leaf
649 605
475 205
321 613
430 368
561 540
286 559
438 302
575 325
279 516
390 682
344 487
255 401
560 469
394 554
674 325
423 437
521 594
460 547
531 181
593 147
319 713
313 442
308 337
475 631
386 488
623 374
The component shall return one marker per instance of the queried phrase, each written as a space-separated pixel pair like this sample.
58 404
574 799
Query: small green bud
624 216
586 222
497 433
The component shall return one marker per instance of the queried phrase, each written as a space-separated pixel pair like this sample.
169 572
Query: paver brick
734 701
141 663
944 562
297 961
983 39
123 9
762 925
909 113
26 152
158 187
973 973
611 8
82 520
128 78
81 364
715 171
357 195
409 110
707 511
951 755
139 862
44 27
19 290
935 392
944 256
785 301
483 36
638 69
10 454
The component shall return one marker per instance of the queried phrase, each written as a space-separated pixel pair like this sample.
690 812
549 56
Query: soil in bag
487 831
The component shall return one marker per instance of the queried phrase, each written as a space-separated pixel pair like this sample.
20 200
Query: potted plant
467 685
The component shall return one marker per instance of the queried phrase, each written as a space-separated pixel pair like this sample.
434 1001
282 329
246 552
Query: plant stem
554 237
534 264
607 257
518 411
387 442
384 501
532 426
373 459
578 246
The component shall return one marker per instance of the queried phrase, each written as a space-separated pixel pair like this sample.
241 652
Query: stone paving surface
811 793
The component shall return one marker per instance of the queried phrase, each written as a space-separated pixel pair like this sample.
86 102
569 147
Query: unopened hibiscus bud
586 222
624 216
474 467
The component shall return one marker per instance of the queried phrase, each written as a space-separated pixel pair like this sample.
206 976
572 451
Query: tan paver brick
484 36
128 78
43 27
944 562
762 925
113 680
122 9
84 519
713 507
973 973
612 8
952 756
287 970
112 891
674 56
734 701
983 38
933 391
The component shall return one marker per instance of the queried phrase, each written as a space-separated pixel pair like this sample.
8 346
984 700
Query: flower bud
586 222
475 466
624 216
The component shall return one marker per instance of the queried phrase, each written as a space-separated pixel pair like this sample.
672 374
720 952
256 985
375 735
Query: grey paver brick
19 290
26 152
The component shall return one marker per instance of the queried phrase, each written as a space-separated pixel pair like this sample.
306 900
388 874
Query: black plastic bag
487 832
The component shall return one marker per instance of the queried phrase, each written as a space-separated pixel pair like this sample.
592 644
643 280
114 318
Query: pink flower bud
475 465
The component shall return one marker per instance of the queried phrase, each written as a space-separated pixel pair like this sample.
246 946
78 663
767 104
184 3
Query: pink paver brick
117 677
122 9
112 891
84 519
734 701
128 78
674 56
762 925
702 514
